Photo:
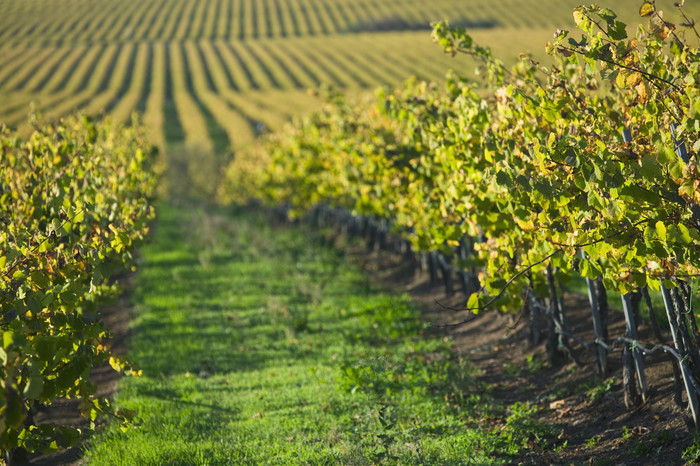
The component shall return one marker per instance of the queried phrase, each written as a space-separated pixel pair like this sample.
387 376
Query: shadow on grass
212 299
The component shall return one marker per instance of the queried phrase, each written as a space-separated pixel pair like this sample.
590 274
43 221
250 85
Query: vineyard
517 182
507 178
214 74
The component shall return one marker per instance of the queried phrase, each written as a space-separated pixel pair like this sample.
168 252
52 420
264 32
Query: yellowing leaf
642 95
660 27
579 17
647 9
115 364
633 79
473 303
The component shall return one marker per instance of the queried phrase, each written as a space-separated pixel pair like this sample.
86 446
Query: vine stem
600 240
651 77
498 296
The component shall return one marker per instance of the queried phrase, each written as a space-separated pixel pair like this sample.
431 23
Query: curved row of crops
75 203
215 73
539 163
250 19
228 80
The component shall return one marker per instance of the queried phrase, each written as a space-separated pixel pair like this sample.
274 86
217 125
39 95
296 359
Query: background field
214 73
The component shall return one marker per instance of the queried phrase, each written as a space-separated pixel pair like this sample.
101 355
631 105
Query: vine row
75 199
583 166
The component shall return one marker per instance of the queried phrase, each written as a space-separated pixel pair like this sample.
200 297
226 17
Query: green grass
262 346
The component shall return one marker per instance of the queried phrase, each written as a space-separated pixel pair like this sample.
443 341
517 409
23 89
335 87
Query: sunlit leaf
647 9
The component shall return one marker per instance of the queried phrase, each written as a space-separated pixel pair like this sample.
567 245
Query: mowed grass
263 346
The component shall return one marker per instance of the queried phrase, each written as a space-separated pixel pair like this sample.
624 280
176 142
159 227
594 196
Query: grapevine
75 199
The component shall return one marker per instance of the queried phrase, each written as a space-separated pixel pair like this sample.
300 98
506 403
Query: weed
651 444
692 453
626 434
521 431
511 370
601 389
535 364
593 441
561 447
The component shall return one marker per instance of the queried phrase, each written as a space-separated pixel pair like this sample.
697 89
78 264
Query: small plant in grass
561 447
601 389
603 462
692 453
511 370
593 441
535 364
627 434
652 444
521 431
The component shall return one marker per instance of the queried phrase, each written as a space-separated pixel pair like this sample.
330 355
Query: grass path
263 346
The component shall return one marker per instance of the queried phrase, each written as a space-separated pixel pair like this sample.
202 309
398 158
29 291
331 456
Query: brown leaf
556 404
563 51
660 27
642 95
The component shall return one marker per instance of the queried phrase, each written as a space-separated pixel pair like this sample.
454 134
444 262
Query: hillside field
212 74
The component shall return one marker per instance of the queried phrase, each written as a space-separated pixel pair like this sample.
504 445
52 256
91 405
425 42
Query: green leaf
35 384
497 284
660 230
8 337
503 179
79 217
608 15
14 414
684 234
676 168
637 194
579 17
665 154
589 268
669 284
40 278
618 31
650 167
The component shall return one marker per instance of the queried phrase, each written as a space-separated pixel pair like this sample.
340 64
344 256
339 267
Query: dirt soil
588 410
594 426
